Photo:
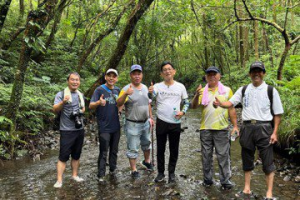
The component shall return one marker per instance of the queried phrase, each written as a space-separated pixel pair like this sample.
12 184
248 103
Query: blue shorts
137 134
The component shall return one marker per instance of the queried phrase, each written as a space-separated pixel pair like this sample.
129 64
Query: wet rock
297 179
287 178
198 130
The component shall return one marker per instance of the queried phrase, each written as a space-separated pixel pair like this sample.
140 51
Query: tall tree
118 53
37 20
282 30
100 37
4 7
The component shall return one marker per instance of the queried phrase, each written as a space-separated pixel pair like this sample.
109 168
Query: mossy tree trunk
37 20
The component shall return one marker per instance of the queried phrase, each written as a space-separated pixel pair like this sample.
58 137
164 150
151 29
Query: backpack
56 122
270 96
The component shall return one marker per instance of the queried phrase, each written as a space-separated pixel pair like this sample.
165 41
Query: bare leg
147 156
75 166
247 182
132 162
61 166
270 180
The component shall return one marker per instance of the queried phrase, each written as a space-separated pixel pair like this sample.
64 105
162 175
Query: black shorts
70 144
257 136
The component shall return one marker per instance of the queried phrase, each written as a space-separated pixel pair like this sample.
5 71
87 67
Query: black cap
259 65
212 69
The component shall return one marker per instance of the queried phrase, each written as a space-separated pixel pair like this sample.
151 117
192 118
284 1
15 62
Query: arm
151 116
123 96
100 102
226 104
195 101
59 106
121 99
186 105
233 119
277 119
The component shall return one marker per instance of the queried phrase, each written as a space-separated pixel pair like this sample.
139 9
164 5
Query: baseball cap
212 69
112 71
259 65
136 67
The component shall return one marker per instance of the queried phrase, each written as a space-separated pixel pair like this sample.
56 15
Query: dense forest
42 41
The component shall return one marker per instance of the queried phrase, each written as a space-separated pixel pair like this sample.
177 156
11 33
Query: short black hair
74 73
166 63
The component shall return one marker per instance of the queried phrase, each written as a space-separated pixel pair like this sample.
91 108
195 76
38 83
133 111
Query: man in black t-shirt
104 101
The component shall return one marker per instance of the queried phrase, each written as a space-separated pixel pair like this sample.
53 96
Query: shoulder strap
243 90
106 88
270 95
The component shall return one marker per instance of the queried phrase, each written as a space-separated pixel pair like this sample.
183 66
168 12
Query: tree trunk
206 53
37 20
98 40
237 43
3 12
282 60
115 59
22 8
256 40
242 51
246 44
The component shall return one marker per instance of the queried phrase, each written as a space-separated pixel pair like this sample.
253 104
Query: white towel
68 92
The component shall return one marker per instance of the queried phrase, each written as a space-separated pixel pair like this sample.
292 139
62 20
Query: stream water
26 179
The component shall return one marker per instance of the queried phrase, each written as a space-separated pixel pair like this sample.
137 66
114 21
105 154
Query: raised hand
66 99
151 88
198 90
217 102
130 90
102 101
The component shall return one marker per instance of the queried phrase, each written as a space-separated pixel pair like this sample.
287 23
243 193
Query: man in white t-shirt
257 131
169 94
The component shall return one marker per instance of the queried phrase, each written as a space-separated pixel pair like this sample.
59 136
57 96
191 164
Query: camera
76 116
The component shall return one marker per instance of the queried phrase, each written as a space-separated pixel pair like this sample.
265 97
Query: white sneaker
77 179
57 184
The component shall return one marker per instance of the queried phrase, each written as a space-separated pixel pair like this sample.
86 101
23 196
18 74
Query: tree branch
295 40
247 9
286 14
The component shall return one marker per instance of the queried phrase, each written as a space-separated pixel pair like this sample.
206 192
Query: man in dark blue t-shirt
104 101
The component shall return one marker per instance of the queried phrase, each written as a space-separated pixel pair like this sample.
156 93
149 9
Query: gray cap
212 69
136 67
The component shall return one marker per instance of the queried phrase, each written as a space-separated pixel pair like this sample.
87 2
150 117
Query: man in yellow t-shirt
214 127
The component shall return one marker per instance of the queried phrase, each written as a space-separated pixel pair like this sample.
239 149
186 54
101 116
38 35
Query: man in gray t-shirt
138 119
70 104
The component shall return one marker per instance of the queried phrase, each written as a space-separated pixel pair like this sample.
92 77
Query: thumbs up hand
217 103
102 101
129 91
151 88
198 90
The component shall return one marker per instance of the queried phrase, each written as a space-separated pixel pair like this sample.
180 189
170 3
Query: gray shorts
257 136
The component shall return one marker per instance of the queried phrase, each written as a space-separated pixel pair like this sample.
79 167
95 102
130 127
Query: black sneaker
207 183
148 166
135 174
160 177
172 178
227 186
